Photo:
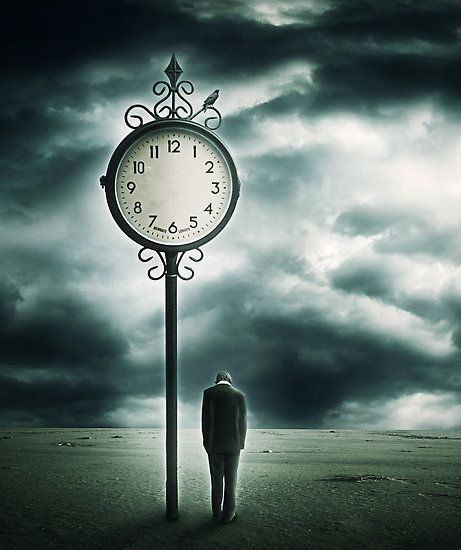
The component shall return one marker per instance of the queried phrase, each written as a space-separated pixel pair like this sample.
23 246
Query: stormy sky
334 294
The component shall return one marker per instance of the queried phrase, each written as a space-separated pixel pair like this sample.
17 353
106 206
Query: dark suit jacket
224 419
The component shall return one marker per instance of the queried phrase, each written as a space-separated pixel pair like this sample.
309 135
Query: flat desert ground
310 489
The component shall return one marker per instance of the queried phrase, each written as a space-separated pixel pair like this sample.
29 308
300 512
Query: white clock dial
173 186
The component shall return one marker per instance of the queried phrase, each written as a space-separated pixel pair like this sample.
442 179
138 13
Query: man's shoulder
223 387
238 392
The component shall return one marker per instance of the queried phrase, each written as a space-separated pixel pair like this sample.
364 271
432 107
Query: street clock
171 185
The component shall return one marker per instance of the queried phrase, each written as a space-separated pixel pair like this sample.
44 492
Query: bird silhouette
210 100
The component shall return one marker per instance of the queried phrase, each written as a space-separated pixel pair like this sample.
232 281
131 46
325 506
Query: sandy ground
314 489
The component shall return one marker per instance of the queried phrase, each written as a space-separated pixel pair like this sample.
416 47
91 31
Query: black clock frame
109 183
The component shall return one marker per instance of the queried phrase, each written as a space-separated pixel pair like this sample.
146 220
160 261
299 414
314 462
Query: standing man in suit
224 426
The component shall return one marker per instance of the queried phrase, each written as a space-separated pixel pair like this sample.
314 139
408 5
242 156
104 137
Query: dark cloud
58 334
450 301
430 21
47 182
65 361
393 51
400 231
10 296
55 37
379 278
62 359
366 220
363 53
371 278
421 237
297 367
277 177
59 330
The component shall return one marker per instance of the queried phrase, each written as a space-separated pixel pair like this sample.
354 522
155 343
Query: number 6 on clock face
171 185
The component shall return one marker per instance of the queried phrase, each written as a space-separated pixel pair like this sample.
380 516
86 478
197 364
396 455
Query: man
224 426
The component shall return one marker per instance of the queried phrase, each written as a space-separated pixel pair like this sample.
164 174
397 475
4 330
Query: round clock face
171 185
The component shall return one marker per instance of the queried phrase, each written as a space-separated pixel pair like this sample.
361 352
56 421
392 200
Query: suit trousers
223 470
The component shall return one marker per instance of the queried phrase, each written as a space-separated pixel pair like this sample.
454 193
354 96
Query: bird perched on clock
210 100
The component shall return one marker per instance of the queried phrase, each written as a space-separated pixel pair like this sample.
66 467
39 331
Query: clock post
171 186
171 384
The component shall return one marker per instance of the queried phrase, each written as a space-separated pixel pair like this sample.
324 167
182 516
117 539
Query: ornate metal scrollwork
207 122
158 264
186 267
133 113
159 89
173 102
146 255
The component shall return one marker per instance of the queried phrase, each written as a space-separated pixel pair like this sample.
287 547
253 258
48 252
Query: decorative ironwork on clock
173 102
159 269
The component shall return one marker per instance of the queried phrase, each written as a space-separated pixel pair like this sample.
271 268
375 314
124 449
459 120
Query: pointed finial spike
173 71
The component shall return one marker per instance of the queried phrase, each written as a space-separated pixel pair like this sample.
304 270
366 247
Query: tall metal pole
171 319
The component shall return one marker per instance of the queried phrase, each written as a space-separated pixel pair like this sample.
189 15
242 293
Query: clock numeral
131 186
173 146
193 221
138 167
208 209
153 219
210 169
194 151
173 228
216 190
137 207
154 151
